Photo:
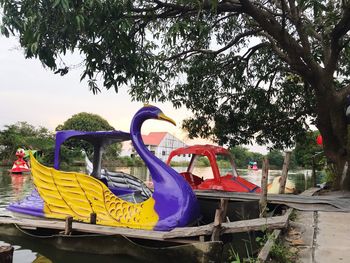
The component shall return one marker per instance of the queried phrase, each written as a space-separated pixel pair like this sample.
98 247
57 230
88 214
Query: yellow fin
79 195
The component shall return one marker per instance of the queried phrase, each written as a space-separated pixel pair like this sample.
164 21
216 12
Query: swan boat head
175 202
59 194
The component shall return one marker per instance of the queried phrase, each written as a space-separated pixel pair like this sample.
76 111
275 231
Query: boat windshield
200 166
225 164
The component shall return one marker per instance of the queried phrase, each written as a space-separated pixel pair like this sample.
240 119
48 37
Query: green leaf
56 3
34 47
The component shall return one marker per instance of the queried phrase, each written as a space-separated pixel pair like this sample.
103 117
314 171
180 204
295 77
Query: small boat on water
252 165
221 179
20 165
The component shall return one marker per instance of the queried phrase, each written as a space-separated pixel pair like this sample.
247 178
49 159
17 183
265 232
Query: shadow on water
27 251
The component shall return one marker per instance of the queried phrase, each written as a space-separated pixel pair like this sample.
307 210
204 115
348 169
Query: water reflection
25 255
17 182
12 188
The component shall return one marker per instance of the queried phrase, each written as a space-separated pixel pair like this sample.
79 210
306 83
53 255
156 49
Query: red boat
224 180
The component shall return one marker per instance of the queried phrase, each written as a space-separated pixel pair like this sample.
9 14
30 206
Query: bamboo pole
284 172
264 177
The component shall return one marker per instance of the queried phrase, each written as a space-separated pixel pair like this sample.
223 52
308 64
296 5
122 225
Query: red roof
153 138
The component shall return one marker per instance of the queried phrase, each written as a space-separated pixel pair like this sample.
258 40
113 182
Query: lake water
15 187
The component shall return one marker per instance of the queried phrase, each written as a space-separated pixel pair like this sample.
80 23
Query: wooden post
220 215
68 225
284 172
6 254
264 177
345 171
93 218
223 208
313 175
305 180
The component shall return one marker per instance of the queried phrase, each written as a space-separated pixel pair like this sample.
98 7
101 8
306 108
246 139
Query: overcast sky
31 93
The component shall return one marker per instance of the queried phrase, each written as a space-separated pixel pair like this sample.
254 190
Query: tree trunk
331 122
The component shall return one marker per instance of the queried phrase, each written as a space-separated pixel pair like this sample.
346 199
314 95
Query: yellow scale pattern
79 195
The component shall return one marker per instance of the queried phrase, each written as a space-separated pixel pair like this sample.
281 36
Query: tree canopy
307 152
247 69
242 156
25 135
84 121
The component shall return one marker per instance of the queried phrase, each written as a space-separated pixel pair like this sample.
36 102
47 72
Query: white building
160 144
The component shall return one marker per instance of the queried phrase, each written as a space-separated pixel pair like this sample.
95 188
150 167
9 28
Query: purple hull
31 205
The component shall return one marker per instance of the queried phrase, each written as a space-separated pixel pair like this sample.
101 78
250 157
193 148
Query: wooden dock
177 234
304 202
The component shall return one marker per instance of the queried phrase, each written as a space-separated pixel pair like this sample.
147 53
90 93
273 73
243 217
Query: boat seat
134 197
121 191
192 179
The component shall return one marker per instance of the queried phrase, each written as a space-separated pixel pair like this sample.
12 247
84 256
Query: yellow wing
79 195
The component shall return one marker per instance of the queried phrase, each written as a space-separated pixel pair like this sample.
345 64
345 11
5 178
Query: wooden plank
128 232
284 173
264 179
232 227
258 224
265 251
311 191
304 203
85 228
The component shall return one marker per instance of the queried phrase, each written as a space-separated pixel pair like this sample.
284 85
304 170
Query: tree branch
215 52
337 34
253 49
343 92
278 51
223 18
263 78
299 59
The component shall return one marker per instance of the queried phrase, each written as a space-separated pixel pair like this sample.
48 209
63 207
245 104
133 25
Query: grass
279 253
